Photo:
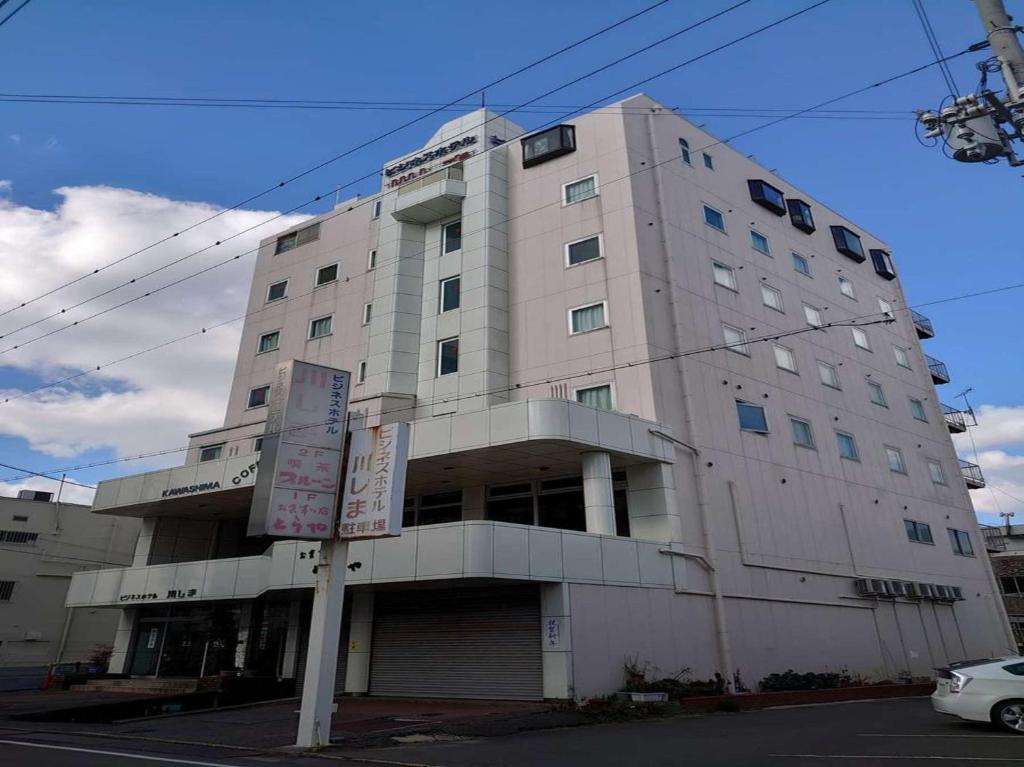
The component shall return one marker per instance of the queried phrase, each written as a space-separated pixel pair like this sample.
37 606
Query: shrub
791 680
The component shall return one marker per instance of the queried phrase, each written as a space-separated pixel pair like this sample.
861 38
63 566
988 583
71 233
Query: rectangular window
902 358
211 452
326 274
847 446
752 417
268 342
917 410
767 196
936 473
961 542
714 219
800 215
367 313
448 356
599 397
724 275
6 590
371 260
736 339
684 151
801 264
848 243
802 433
771 297
860 339
882 262
846 288
918 532
299 237
257 444
813 316
276 291
376 208
453 236
885 307
895 458
361 372
877 393
258 396
577 191
322 326
549 144
709 161
759 242
784 358
581 251
450 294
829 375
586 318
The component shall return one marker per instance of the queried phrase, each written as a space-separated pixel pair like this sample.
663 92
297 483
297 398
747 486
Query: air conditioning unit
898 588
943 593
958 593
873 587
913 591
927 590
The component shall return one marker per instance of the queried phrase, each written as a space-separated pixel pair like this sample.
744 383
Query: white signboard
375 483
300 463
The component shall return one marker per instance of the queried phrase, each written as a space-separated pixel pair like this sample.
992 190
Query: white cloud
998 426
68 494
153 401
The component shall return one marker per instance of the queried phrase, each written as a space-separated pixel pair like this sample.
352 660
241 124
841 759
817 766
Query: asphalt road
871 734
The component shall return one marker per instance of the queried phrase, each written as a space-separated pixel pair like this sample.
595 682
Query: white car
983 691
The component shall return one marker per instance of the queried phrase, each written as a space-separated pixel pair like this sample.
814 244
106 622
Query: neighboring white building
580 491
42 544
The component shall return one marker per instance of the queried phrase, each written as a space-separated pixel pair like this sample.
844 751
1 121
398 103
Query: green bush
791 680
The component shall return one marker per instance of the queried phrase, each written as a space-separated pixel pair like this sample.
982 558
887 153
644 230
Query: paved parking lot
868 734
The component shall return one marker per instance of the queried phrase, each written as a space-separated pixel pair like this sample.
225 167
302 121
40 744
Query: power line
933 42
45 476
341 155
14 12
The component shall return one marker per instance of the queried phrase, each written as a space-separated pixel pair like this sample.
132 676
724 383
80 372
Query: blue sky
954 228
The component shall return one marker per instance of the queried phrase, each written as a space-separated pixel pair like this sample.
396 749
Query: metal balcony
939 371
972 474
922 325
994 539
954 419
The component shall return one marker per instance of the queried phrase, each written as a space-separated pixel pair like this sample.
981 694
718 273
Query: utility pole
981 127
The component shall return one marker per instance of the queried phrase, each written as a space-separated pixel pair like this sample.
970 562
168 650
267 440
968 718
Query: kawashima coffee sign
421 164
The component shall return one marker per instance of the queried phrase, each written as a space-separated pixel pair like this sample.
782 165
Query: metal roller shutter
471 643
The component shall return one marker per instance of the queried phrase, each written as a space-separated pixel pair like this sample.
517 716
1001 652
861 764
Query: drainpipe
720 620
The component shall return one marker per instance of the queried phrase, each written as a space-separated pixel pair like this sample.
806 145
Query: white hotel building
578 492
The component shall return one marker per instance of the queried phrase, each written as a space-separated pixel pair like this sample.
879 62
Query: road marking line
112 753
1015 760
929 735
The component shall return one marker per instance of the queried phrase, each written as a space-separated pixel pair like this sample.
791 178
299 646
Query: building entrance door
149 640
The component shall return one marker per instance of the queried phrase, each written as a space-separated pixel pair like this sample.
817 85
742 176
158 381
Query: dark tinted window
848 243
800 215
767 196
548 145
1017 669
882 262
584 250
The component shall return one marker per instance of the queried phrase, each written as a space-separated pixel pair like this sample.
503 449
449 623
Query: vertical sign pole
322 653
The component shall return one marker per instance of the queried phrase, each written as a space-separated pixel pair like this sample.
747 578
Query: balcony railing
972 474
993 537
939 371
453 173
954 419
922 324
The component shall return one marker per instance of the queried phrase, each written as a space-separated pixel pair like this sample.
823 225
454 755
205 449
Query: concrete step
139 686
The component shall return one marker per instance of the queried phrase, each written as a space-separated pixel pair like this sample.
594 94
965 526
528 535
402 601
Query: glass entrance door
149 640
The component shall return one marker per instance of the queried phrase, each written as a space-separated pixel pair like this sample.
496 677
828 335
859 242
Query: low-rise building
1005 546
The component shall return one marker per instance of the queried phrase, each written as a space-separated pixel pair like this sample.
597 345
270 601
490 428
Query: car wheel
1009 714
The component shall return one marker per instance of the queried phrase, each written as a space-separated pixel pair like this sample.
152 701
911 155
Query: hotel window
936 473
258 396
376 208
800 215
361 372
437 509
684 151
961 542
714 218
371 260
848 243
895 458
882 262
577 191
803 435
829 375
735 339
846 288
767 196
453 236
759 242
599 397
299 237
581 251
269 342
211 452
276 291
751 417
709 162
847 446
902 358
724 275
918 532
326 275
784 358
917 410
549 144
877 393
257 445
771 297
583 319
813 316
448 356
450 294
6 590
860 339
801 264
885 307
320 327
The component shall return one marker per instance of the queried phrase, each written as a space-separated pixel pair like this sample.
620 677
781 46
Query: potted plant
638 689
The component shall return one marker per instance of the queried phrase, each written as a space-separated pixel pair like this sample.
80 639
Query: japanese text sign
375 483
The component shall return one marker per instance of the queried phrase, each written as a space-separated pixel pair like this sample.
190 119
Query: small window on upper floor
917 410
371 260
277 290
376 208
299 237
882 262
599 397
759 242
918 532
767 196
752 417
936 473
450 294
885 307
583 319
847 446
577 191
548 144
714 218
803 435
361 372
960 540
709 161
902 358
453 236
211 452
257 445
320 327
269 342
771 297
735 339
801 264
800 215
846 288
583 250
848 243
813 316
367 313
860 339
784 358
447 356
829 375
895 458
723 275
258 396
877 394
326 274
684 151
